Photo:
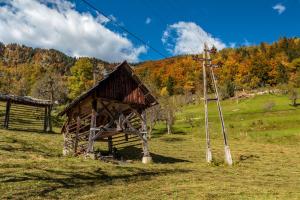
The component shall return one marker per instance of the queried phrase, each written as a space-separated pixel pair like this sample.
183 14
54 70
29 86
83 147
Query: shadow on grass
24 129
29 130
247 158
133 153
54 180
295 105
172 139
159 132
25 146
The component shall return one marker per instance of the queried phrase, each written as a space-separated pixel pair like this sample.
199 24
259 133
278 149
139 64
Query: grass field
264 137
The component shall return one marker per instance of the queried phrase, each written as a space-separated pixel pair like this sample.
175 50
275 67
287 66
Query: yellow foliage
164 91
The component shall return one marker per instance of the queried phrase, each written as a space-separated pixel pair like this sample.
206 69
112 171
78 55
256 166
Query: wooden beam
121 103
45 119
136 113
106 109
90 148
49 119
110 145
126 142
77 134
144 131
7 114
65 132
105 127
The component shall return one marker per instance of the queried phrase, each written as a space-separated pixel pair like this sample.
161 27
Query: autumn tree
170 84
52 87
6 80
81 78
294 81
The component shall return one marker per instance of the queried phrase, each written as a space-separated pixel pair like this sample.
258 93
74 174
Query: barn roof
25 100
150 99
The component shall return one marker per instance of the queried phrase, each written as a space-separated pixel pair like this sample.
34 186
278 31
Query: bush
227 90
293 95
269 106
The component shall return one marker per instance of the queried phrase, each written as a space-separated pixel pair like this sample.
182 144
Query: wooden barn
112 111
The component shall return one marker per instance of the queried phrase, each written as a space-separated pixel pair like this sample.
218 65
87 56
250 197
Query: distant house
112 111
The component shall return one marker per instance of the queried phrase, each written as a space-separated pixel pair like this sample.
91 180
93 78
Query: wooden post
208 150
90 148
146 157
78 122
7 114
110 145
49 128
65 133
46 119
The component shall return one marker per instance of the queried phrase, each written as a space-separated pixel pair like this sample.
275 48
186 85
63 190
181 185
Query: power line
123 28
163 21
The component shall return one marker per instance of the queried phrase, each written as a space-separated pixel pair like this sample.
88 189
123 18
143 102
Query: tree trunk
294 102
169 128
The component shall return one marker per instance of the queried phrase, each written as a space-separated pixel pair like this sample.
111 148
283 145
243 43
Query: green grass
264 145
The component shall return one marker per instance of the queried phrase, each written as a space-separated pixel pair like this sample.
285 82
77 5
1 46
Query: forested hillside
240 68
53 75
44 73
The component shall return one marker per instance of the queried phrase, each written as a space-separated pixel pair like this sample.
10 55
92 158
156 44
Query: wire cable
123 28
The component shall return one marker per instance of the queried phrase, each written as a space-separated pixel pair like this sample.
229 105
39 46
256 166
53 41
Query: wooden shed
113 111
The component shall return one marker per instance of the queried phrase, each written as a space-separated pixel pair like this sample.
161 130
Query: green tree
81 78
157 82
170 85
228 89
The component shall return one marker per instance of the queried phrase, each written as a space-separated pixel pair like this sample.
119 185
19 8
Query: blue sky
171 26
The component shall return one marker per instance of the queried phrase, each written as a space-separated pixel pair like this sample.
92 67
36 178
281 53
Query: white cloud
247 43
188 38
56 24
148 20
232 44
279 8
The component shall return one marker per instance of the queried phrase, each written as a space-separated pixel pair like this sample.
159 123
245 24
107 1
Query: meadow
264 137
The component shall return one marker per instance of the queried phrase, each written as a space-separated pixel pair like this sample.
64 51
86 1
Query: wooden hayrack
25 113
112 111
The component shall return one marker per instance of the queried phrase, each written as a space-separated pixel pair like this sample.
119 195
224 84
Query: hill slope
265 151
242 68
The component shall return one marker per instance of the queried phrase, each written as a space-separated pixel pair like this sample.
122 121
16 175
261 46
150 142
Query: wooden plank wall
123 88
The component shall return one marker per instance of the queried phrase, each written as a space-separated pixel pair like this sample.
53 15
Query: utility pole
207 64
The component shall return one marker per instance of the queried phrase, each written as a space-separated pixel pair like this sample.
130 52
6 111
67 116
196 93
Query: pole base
65 152
228 159
90 155
147 160
208 155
